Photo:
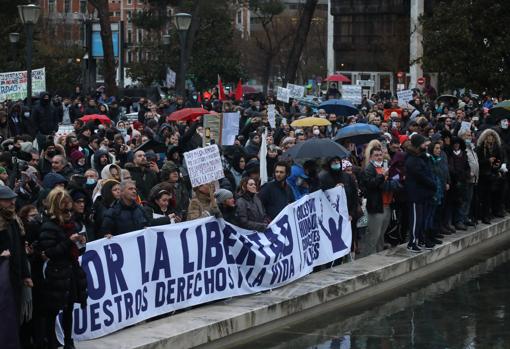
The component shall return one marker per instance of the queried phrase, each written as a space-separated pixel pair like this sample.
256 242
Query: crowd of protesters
426 176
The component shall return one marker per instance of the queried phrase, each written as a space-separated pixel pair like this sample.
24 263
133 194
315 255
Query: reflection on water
467 310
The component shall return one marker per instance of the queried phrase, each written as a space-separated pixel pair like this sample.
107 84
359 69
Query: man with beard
275 195
141 173
45 119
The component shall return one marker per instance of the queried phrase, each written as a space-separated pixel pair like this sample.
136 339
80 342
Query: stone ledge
225 322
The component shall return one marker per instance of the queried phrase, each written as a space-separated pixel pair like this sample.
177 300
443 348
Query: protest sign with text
296 91
146 273
404 97
282 94
13 85
204 165
230 128
352 93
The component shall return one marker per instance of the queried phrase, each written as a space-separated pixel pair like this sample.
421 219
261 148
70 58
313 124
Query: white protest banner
296 91
204 165
230 128
352 93
13 85
170 78
146 273
282 94
404 97
271 115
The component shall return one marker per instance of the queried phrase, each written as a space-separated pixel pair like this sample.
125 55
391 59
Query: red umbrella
338 78
93 117
187 114
247 89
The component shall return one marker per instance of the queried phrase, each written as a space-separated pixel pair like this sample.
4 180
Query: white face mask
504 124
377 163
316 132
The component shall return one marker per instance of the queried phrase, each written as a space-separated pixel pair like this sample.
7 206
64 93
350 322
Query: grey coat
250 213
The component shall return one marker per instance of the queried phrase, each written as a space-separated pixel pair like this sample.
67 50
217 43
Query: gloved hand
503 168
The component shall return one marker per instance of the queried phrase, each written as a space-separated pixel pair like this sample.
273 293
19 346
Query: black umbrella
316 148
449 100
153 145
497 114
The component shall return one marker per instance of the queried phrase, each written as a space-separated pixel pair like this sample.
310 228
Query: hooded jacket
419 183
45 116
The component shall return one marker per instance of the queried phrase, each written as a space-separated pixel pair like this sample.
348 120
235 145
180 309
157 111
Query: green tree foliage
10 23
467 43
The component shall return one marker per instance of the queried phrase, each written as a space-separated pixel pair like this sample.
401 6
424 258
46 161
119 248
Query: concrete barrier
232 321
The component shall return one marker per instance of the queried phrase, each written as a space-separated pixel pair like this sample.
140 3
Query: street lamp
182 22
29 14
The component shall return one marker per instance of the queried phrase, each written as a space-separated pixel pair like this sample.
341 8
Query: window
129 36
51 6
83 6
129 15
129 2
239 17
139 36
67 6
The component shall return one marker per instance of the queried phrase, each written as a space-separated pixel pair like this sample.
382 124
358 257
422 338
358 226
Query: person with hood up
101 159
297 181
78 161
107 195
45 118
492 167
252 148
237 168
332 176
460 175
420 188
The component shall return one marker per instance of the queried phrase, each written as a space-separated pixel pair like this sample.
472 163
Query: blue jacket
121 219
419 183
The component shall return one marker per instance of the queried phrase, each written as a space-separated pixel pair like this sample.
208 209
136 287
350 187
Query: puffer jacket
250 212
65 281
201 206
121 219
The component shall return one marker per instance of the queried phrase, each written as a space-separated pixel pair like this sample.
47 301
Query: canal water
465 306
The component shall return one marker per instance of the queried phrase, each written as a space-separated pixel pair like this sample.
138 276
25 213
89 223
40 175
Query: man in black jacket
420 188
275 195
125 215
45 118
143 175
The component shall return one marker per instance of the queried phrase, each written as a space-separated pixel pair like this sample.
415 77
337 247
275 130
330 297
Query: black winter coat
45 118
145 179
250 213
373 184
329 180
275 197
121 219
65 282
419 182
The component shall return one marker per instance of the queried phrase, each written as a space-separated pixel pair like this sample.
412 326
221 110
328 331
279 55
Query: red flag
239 91
199 98
221 91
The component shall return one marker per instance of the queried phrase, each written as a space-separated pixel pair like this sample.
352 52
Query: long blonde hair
56 203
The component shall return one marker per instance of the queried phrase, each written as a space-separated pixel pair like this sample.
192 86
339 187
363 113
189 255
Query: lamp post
182 22
29 14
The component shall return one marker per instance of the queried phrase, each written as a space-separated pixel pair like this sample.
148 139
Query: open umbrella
497 113
358 133
316 148
449 100
310 122
338 78
105 120
247 89
153 145
340 107
187 114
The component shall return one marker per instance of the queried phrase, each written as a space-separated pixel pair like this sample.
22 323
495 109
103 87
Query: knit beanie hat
76 155
223 194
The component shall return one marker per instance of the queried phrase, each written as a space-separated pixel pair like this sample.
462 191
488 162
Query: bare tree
305 20
106 37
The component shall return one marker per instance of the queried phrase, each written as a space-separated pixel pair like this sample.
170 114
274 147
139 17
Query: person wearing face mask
297 181
379 188
45 118
333 176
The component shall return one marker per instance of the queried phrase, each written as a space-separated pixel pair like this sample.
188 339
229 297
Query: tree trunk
267 72
108 53
300 40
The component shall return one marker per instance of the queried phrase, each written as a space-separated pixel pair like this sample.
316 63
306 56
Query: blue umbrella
340 107
358 133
